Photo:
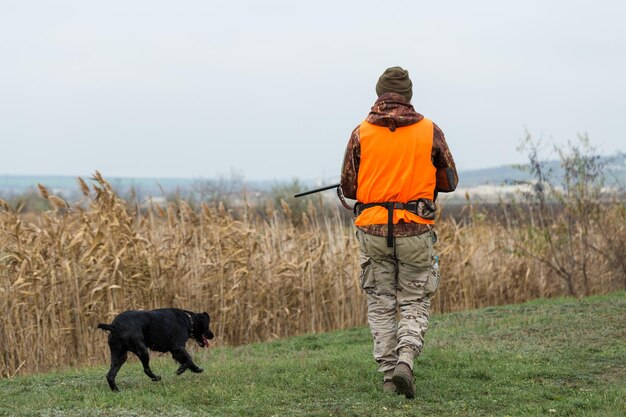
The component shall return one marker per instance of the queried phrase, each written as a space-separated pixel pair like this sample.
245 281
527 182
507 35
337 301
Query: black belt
411 206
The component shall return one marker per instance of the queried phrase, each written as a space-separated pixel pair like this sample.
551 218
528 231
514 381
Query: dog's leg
184 358
117 360
143 355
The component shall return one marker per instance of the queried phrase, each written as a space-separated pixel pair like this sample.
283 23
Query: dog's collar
191 324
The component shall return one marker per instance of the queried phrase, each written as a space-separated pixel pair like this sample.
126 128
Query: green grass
562 357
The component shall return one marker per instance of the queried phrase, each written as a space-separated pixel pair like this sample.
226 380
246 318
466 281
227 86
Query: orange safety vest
395 167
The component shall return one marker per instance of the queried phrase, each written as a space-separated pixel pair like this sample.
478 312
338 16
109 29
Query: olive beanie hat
395 80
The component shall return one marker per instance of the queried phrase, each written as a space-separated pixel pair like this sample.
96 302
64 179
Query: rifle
317 190
328 187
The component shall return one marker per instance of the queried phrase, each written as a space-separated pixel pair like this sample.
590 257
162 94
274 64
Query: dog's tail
106 327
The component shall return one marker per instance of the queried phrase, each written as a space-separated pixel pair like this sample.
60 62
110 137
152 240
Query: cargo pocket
433 277
366 280
367 275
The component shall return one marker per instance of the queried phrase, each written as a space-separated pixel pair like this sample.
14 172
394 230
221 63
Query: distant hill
492 176
67 186
508 174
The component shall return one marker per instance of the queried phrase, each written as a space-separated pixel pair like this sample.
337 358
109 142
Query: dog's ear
204 319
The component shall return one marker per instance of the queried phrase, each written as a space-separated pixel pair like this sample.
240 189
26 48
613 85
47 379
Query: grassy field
560 357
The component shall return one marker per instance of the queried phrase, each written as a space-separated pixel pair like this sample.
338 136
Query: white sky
272 89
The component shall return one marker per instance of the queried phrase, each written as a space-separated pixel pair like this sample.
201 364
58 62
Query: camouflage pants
403 277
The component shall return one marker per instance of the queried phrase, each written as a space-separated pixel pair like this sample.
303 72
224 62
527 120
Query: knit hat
395 80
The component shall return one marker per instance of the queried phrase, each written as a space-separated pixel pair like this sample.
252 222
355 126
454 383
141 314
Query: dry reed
65 270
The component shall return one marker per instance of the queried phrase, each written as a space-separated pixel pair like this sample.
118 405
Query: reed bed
65 270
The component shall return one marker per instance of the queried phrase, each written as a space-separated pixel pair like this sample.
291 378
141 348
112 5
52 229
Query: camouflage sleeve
447 177
350 167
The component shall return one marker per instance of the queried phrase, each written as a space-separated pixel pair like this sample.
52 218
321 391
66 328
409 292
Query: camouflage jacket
393 110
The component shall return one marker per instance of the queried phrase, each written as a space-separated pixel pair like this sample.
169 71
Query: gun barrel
316 190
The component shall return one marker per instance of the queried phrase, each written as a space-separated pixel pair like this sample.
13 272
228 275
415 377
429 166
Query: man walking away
395 163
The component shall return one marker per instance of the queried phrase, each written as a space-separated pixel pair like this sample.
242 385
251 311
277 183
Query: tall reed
67 269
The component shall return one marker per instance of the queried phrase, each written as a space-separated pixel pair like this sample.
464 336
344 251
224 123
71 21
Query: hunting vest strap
411 206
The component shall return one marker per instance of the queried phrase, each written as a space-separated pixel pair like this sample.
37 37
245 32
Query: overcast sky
272 89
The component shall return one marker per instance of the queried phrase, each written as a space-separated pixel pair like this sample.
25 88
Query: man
395 164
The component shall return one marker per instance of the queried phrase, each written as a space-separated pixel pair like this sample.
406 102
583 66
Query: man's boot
403 380
388 385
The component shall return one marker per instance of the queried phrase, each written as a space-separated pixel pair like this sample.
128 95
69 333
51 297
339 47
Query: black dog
163 330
